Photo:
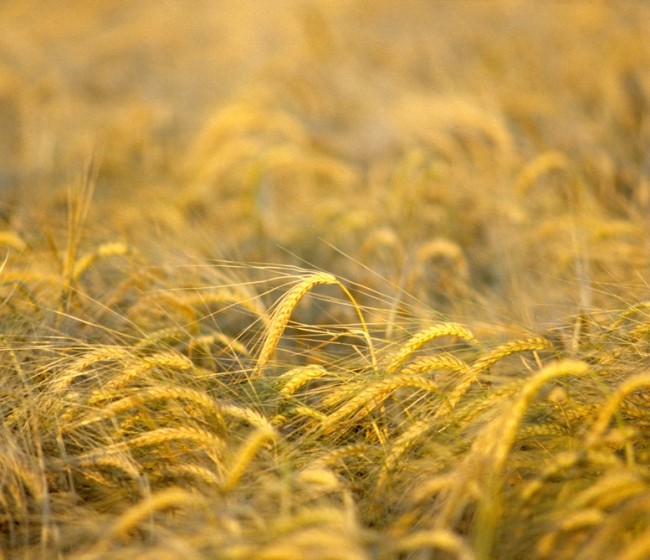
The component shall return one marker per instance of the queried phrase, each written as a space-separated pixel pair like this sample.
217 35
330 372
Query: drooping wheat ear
297 377
13 240
280 317
474 408
506 432
496 441
245 455
164 435
629 312
81 364
436 539
161 335
120 462
308 412
18 476
544 163
490 358
193 471
165 499
244 413
199 398
115 249
232 344
421 338
371 397
336 456
431 363
529 344
142 364
562 462
612 404
399 447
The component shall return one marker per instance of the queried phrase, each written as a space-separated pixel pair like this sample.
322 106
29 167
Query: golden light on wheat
345 280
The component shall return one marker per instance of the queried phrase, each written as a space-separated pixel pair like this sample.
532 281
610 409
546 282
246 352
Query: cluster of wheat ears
388 300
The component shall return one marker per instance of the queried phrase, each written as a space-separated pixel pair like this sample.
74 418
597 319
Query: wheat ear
489 359
376 393
496 442
165 499
628 386
280 317
297 377
245 455
198 398
421 338
440 539
282 313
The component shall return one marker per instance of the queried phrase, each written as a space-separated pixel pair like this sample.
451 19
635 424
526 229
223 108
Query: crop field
324 280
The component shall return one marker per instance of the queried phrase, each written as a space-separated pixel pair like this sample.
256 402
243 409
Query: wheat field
324 280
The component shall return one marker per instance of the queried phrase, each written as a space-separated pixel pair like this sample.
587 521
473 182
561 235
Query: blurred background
491 159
